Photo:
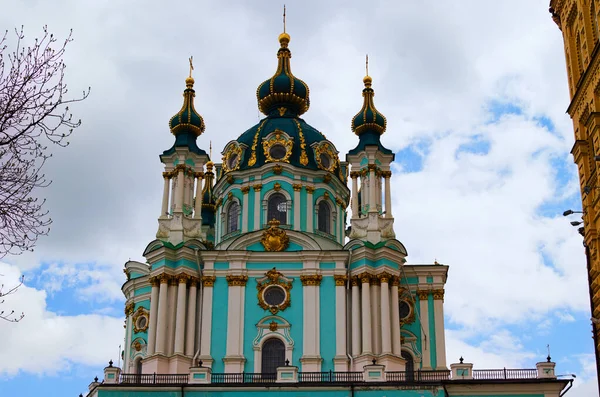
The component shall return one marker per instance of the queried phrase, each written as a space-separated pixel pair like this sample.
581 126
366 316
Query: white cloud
46 343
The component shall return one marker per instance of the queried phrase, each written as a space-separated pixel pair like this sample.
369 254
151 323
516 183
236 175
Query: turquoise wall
143 290
218 340
174 264
327 320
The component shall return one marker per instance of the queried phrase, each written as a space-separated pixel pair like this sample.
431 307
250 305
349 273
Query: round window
325 160
404 309
277 151
142 322
274 296
232 161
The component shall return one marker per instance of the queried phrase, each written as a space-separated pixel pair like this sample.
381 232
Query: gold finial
367 80
190 80
284 38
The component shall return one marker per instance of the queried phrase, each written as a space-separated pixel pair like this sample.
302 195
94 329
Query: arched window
273 356
277 208
233 217
324 217
410 365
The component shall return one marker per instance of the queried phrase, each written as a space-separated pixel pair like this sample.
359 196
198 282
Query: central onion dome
283 89
282 137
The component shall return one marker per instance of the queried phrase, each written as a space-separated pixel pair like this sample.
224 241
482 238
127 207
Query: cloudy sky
475 93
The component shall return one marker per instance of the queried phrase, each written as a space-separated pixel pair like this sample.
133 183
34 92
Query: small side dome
283 92
187 119
368 119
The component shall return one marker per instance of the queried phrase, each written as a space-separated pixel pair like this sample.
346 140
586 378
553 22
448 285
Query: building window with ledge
410 365
233 215
273 356
277 208
324 217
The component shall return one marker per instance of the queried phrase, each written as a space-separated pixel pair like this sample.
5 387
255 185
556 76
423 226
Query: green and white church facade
260 279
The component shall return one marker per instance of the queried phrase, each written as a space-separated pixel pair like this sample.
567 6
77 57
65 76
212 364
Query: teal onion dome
368 119
283 92
187 120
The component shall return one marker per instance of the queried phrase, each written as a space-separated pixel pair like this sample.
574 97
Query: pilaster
311 358
424 316
234 359
340 360
208 282
440 340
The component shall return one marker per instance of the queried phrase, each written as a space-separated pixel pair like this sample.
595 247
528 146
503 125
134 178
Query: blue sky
475 96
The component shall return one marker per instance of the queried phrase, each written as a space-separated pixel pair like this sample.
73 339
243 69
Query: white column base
311 363
234 364
392 362
340 364
157 363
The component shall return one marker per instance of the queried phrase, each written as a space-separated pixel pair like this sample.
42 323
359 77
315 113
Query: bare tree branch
11 316
34 111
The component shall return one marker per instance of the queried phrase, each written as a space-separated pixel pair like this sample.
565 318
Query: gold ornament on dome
252 159
141 320
274 279
303 156
274 139
275 239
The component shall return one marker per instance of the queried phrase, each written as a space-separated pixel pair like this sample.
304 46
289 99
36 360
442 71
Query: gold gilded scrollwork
340 280
252 159
277 138
311 279
275 239
129 309
208 281
423 294
410 318
274 279
303 156
236 281
438 294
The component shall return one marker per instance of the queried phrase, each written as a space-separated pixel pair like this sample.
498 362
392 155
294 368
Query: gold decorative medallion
277 146
277 169
232 157
326 156
140 320
275 239
273 325
274 293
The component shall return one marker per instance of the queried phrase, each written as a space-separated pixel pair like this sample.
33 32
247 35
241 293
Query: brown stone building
578 21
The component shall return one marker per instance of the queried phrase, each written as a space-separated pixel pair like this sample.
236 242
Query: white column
354 175
396 345
180 317
297 222
165 200
372 189
180 183
440 340
310 211
340 315
207 303
311 360
234 358
424 316
128 337
365 279
171 316
257 206
153 316
161 321
191 318
386 335
245 196
376 315
356 328
388 194
198 201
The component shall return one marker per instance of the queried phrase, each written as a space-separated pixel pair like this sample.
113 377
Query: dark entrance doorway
410 365
273 356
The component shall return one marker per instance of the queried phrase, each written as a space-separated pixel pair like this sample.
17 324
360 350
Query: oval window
325 160
277 152
232 161
274 296
404 309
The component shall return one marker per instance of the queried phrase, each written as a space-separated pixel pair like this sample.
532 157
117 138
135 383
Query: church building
260 279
